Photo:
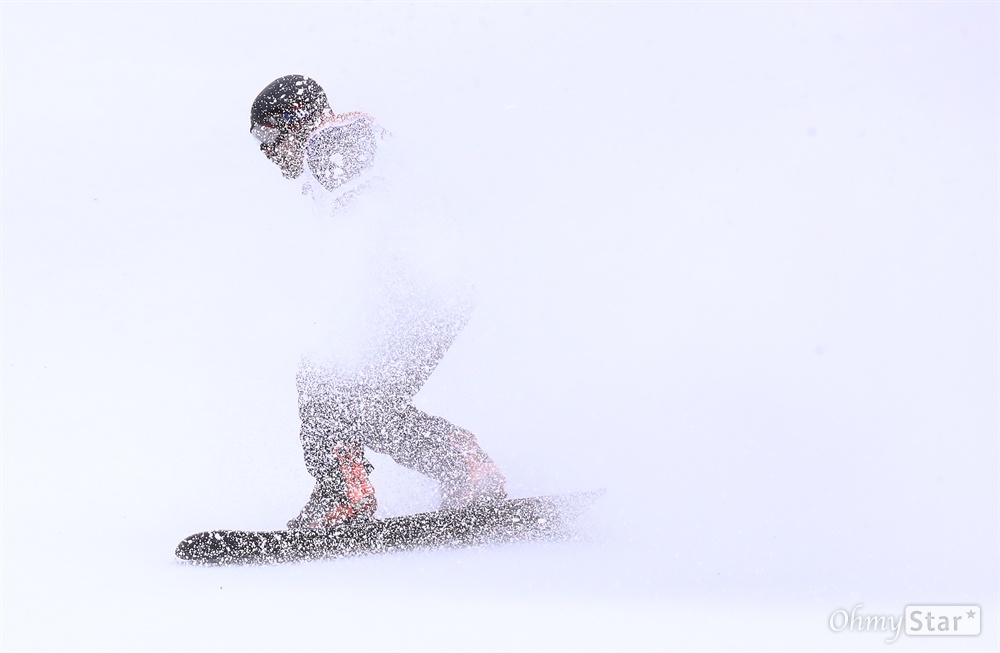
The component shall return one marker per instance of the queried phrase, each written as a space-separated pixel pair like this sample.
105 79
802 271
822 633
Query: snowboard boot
478 479
346 494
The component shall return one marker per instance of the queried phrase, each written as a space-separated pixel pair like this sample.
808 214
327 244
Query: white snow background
736 263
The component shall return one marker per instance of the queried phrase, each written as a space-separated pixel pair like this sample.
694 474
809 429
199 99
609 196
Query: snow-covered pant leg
326 423
437 448
334 455
426 443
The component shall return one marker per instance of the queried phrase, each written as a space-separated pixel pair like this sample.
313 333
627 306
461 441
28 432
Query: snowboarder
343 411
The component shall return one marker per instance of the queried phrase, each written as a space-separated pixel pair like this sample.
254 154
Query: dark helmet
287 101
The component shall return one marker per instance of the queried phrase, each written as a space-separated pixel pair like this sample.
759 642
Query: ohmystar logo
942 619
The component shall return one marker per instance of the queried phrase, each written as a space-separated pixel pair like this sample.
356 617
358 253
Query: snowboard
497 521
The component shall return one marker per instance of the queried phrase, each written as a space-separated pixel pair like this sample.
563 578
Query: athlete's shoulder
352 120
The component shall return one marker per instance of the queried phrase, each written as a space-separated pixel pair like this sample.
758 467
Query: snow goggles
266 134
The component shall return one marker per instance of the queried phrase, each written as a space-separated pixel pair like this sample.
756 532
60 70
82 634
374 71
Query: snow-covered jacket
341 156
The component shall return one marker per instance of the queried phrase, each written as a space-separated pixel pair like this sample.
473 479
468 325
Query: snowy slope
738 264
